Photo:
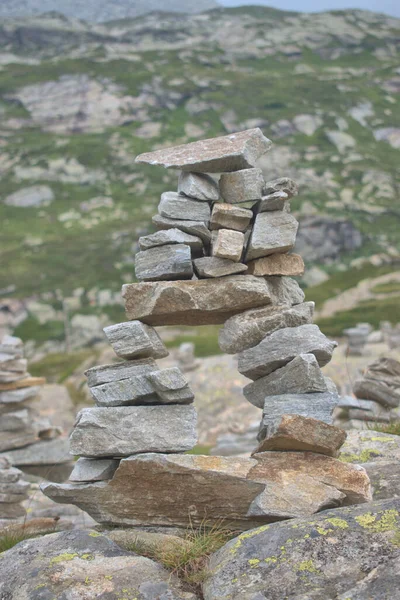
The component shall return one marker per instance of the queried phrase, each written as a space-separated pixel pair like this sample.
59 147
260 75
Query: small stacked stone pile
13 491
377 397
357 337
224 263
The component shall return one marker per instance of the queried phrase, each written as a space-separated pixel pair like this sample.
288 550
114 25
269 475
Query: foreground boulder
240 491
83 565
348 554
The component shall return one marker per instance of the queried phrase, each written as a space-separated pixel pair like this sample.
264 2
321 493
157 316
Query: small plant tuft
392 428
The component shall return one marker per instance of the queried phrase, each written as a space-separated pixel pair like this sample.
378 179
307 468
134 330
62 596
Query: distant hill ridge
101 10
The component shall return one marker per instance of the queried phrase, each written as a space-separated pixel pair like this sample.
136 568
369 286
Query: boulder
228 244
182 490
205 302
249 328
194 228
381 392
91 469
135 340
211 267
242 186
227 216
273 232
174 206
169 262
282 184
217 155
282 346
277 264
350 553
122 431
198 186
275 201
170 236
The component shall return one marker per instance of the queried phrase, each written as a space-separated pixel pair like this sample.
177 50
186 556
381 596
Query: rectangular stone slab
217 155
291 265
169 262
195 228
205 302
116 432
170 236
175 206
242 186
135 340
123 370
273 232
227 216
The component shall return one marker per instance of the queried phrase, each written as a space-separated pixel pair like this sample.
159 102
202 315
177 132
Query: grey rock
12 345
17 439
381 392
212 266
35 196
174 206
198 186
281 347
283 184
385 479
12 364
195 228
116 372
274 201
9 475
92 469
14 421
170 236
302 375
272 232
168 262
125 392
228 244
18 396
7 498
242 186
172 386
115 432
218 155
19 487
285 290
228 216
249 328
11 511
370 446
135 340
51 452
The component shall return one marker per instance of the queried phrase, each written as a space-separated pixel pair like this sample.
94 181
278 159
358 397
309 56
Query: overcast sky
390 7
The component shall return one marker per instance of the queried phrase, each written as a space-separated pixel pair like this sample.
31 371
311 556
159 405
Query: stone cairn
377 397
357 338
213 262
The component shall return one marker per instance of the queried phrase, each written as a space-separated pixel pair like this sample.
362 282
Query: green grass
10 538
200 450
204 338
32 329
58 367
390 428
387 288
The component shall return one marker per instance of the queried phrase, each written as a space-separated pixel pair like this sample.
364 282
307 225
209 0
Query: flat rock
277 264
217 155
195 228
23 383
228 216
302 375
282 346
348 553
179 490
12 364
212 266
381 392
228 244
317 406
175 206
171 386
249 328
169 262
133 340
94 469
116 372
170 236
282 184
273 232
122 431
19 395
83 564
285 290
43 453
296 432
275 201
204 302
370 446
198 186
12 345
242 186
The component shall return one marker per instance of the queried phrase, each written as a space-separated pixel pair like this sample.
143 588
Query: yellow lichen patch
95 534
382 439
364 456
87 557
388 521
271 559
306 536
336 522
63 557
323 531
254 562
247 536
109 577
307 565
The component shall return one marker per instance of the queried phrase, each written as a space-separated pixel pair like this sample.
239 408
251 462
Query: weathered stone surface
296 432
282 346
8 498
132 391
19 395
227 216
317 406
242 186
122 431
273 232
12 345
249 328
18 488
170 236
285 290
198 186
365 446
174 206
195 228
116 372
349 553
15 420
369 389
228 244
302 375
176 490
385 478
164 263
212 266
172 386
92 469
11 511
83 565
12 364
22 383
217 155
205 302
277 264
47 453
385 369
17 439
9 474
283 184
275 201
135 340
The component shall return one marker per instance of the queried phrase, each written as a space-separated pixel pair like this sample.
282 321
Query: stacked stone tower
220 256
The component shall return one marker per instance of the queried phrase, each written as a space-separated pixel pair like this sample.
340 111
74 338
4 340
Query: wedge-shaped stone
92 469
370 389
227 216
116 372
302 375
281 347
275 201
285 290
242 186
195 228
273 232
19 395
135 340
277 264
228 244
211 267
283 184
170 236
198 186
183 490
249 328
205 302
115 432
217 155
174 206
172 386
294 432
164 263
